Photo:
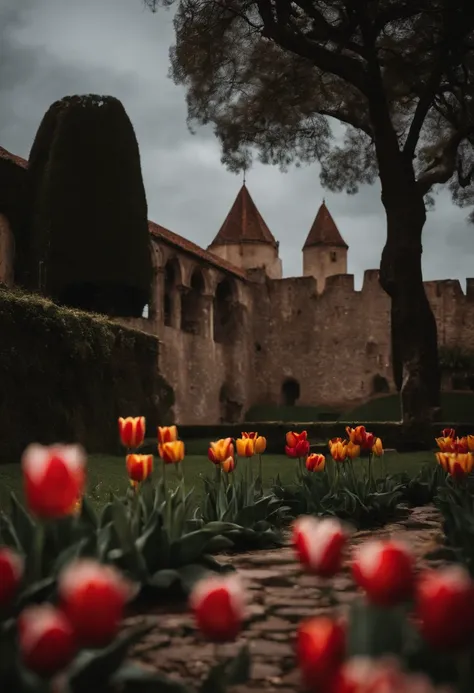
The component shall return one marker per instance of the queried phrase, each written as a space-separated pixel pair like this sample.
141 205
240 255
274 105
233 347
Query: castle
233 333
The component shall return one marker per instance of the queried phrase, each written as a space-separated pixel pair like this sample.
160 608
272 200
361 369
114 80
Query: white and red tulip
219 607
45 639
444 607
54 478
93 597
319 544
385 570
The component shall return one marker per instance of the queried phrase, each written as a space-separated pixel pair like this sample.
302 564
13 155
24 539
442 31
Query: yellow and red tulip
253 435
260 445
338 449
132 431
167 434
172 453
359 436
352 450
377 447
54 478
445 444
470 443
297 444
449 433
245 447
315 462
456 464
320 651
139 467
228 465
220 450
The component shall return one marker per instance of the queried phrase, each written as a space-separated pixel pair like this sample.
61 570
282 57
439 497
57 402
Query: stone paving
281 596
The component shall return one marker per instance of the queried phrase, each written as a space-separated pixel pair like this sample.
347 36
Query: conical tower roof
244 223
324 230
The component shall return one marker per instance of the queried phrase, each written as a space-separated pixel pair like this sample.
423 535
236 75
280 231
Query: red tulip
385 570
444 606
132 431
54 478
218 605
315 462
359 436
319 544
11 573
93 597
297 444
46 639
320 650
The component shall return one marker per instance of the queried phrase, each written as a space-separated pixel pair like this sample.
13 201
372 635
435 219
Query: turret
245 240
324 251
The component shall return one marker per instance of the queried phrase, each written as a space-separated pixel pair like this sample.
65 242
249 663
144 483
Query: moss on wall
67 376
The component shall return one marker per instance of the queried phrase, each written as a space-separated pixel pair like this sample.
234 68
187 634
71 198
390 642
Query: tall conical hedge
91 244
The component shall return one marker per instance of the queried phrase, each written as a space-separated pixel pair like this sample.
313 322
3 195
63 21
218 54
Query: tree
90 244
397 74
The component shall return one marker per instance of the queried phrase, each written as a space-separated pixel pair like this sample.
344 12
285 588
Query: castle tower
324 251
245 240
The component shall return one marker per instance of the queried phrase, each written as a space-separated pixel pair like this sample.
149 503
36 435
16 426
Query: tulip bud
93 597
260 445
338 450
444 606
218 605
470 443
54 478
220 450
320 650
45 639
245 447
228 465
315 462
132 431
297 444
139 467
352 450
171 453
377 447
319 544
252 435
385 570
167 434
11 573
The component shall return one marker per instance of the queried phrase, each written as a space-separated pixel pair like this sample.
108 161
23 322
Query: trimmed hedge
67 376
88 208
391 432
455 406
263 412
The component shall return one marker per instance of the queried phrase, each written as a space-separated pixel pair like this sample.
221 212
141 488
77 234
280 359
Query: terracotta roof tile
244 223
324 230
160 232
188 246
4 154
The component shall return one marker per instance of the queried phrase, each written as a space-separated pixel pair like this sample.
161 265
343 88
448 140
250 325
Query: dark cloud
51 48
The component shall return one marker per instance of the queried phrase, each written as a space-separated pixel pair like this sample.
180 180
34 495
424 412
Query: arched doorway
290 392
225 316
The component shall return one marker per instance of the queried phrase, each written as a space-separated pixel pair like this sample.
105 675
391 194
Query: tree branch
443 165
423 106
342 66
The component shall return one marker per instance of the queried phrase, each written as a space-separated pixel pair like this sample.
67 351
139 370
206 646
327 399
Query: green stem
260 472
370 471
38 547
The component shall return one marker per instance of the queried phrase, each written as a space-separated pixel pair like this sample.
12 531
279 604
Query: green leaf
37 592
8 535
238 669
192 546
23 524
88 516
375 631
92 669
153 545
121 523
164 579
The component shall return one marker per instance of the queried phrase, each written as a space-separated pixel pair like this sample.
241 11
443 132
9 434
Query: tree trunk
414 333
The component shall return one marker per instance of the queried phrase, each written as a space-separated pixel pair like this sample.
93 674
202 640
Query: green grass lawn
107 474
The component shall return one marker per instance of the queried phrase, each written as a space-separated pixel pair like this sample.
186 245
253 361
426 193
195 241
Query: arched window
225 316
172 278
192 304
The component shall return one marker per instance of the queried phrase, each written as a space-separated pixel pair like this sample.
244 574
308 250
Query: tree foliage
270 75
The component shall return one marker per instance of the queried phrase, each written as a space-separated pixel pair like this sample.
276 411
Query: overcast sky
53 48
